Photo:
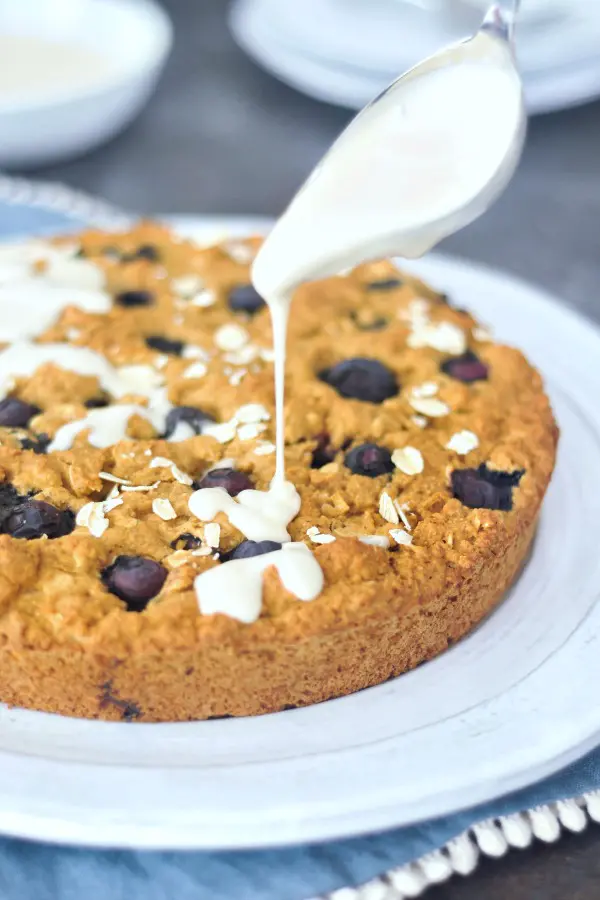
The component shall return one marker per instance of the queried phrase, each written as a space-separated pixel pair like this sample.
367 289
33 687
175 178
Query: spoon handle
500 19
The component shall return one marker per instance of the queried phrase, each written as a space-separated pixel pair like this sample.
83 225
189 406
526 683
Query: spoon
424 159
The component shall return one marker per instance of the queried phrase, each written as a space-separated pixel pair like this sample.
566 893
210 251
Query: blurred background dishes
531 10
346 51
74 73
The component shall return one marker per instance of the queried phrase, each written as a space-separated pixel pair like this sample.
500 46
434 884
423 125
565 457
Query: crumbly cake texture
453 424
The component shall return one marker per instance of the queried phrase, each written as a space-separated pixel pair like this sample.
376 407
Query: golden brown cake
421 450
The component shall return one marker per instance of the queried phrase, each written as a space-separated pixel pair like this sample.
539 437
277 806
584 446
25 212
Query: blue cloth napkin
40 872
17 220
30 871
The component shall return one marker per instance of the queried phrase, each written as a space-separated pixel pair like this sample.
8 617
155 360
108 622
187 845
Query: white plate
352 79
511 703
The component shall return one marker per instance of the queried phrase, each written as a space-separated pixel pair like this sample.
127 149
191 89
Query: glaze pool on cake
420 450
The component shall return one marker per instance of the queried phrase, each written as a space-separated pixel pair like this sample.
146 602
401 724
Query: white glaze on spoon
423 160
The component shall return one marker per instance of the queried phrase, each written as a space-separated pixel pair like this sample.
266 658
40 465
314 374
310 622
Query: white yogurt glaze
235 588
23 359
28 308
107 425
31 300
259 515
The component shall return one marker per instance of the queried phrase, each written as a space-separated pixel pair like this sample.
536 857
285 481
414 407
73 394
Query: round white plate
343 70
511 703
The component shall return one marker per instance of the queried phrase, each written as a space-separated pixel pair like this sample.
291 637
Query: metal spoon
492 45
501 18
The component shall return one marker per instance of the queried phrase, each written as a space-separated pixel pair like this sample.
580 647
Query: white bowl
49 119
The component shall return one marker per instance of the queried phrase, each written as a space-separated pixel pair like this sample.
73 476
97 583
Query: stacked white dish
346 51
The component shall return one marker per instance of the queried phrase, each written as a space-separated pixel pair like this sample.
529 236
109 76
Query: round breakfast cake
137 368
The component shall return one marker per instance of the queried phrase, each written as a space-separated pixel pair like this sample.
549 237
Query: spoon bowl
422 160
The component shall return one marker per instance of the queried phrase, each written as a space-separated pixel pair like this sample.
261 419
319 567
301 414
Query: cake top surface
138 367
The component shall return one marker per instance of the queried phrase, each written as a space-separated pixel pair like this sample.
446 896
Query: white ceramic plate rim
56 797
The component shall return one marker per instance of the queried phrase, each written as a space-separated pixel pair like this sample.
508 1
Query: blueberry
191 415
135 298
467 368
369 459
38 443
145 251
245 298
97 402
361 378
128 709
484 488
323 453
16 413
186 541
250 548
35 518
165 345
135 579
148 251
232 480
385 284
9 500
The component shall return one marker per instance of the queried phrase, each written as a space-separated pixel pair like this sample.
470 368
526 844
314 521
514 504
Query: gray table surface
221 136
